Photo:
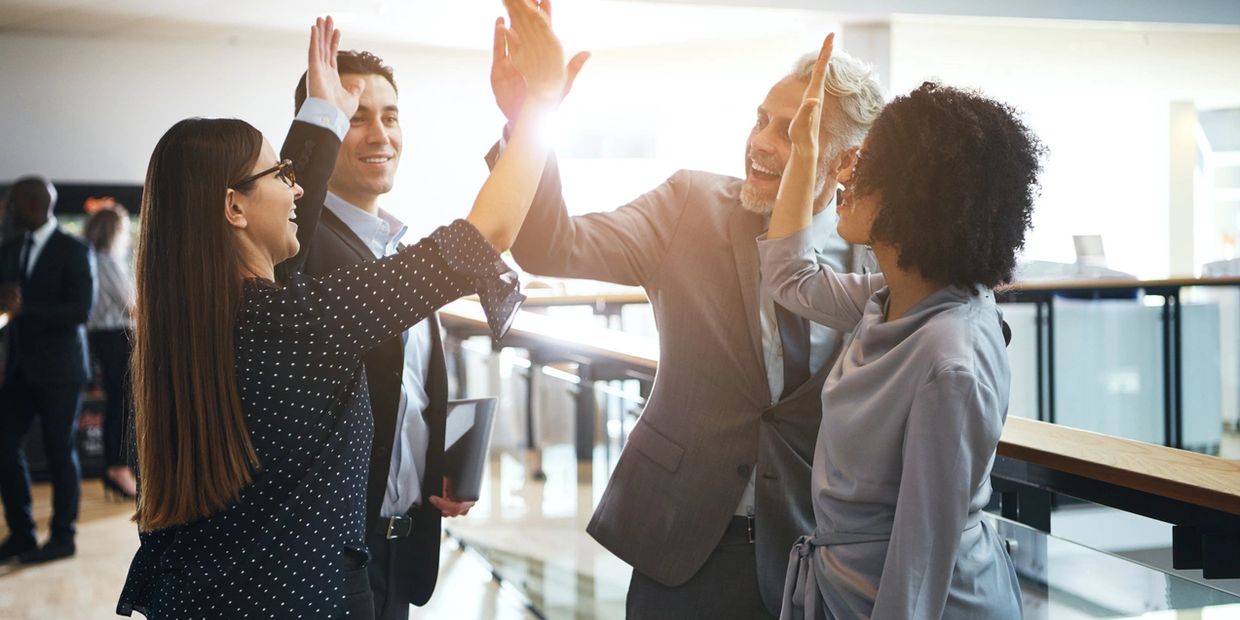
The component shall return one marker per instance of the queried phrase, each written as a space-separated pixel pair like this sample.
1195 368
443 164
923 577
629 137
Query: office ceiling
464 24
593 24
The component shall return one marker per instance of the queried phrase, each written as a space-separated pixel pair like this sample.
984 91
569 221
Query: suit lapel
48 253
341 230
745 228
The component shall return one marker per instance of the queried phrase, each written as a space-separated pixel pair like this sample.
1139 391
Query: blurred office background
1138 102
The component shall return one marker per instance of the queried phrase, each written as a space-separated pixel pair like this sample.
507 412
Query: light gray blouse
912 413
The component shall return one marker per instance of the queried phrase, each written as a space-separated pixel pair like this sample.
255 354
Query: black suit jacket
332 246
47 341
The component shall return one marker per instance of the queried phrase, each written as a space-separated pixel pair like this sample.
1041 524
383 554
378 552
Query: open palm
322 75
507 83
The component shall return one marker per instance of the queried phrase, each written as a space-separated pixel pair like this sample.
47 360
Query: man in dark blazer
47 286
406 376
713 487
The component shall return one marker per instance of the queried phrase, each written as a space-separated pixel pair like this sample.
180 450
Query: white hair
853 87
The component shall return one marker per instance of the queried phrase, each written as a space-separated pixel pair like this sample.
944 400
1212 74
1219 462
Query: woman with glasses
253 424
942 189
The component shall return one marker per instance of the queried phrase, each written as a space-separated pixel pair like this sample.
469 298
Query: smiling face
268 212
768 148
366 163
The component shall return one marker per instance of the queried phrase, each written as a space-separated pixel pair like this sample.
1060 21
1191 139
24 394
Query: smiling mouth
762 172
378 159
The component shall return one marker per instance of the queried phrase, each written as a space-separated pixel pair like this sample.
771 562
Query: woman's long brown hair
194 450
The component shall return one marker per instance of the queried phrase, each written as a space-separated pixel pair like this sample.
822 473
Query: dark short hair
957 174
350 62
32 191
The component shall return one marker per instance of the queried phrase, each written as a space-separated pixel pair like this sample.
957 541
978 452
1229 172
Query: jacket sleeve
312 149
624 246
949 444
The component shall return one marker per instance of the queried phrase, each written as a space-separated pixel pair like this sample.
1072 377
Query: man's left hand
449 506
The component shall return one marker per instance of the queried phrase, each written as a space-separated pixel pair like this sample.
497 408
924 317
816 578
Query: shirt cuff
322 113
469 254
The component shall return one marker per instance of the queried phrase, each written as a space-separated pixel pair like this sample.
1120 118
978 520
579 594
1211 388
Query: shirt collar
382 231
42 233
822 227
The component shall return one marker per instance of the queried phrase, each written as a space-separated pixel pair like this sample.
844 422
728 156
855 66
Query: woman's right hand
807 124
535 52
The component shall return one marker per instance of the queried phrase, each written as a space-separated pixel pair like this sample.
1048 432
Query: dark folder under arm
467 439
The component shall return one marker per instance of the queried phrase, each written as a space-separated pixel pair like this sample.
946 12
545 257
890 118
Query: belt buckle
749 528
391 535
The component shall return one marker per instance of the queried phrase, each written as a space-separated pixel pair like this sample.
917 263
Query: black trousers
725 588
112 349
390 602
56 405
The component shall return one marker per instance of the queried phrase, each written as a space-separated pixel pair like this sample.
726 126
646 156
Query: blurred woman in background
110 330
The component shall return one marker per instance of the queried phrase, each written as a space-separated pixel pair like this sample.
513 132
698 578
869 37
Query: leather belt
396 527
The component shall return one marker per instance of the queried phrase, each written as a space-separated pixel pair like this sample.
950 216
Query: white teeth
764 170
376 160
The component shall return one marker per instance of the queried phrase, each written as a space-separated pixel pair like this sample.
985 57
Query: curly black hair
957 174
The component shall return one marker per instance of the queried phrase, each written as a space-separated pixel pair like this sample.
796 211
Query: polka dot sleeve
359 306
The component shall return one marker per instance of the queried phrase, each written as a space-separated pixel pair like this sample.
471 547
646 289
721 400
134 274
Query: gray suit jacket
708 420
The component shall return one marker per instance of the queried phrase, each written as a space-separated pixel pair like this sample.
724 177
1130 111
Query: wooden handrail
1198 479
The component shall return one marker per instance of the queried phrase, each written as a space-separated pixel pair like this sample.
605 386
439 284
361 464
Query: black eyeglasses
284 172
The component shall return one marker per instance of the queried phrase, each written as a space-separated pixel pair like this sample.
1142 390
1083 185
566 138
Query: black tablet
467 439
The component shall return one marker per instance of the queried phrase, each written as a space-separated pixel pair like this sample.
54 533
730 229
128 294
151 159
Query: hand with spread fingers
322 75
535 52
794 204
507 84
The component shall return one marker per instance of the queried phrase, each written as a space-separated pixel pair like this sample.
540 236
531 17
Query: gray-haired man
714 485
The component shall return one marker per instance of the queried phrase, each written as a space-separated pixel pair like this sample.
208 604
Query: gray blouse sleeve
799 283
952 431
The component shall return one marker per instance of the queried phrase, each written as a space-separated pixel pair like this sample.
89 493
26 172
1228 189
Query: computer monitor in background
1089 250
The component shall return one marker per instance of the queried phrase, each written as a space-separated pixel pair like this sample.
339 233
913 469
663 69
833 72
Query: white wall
1100 97
86 109
80 109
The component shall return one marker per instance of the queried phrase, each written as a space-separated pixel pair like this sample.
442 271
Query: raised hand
807 124
322 76
506 82
794 204
533 51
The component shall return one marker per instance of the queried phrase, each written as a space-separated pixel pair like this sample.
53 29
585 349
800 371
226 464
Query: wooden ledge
1199 479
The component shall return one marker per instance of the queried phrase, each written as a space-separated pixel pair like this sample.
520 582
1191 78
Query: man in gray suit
713 487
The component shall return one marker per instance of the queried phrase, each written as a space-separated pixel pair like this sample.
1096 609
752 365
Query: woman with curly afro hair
942 189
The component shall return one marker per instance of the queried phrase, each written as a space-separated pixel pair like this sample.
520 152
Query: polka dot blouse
276 553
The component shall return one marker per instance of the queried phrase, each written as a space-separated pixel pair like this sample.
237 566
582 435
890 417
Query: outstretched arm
505 197
316 133
789 271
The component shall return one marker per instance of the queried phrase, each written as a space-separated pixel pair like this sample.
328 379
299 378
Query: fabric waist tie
800 583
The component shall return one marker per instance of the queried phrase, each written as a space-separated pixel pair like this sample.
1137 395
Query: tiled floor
532 533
